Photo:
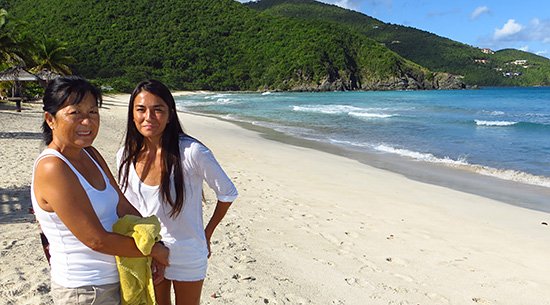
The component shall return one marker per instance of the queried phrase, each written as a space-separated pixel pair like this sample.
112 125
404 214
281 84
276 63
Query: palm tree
14 46
8 43
51 55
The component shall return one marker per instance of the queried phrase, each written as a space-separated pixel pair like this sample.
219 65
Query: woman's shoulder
50 157
119 153
51 164
188 142
191 148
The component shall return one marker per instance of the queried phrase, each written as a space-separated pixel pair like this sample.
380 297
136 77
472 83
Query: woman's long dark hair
63 91
171 158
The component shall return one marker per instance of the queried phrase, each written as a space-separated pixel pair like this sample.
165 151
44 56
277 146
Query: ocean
497 132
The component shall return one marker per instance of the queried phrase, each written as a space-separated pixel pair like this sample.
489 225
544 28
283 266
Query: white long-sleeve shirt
185 233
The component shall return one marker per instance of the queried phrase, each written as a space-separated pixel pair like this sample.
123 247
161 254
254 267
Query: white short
185 265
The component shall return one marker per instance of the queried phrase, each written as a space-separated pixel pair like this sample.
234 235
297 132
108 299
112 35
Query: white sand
308 228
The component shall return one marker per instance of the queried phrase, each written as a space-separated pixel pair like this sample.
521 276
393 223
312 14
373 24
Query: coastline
462 179
309 227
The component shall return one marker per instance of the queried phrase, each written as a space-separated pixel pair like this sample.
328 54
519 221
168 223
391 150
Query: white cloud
535 31
539 30
510 29
479 11
532 37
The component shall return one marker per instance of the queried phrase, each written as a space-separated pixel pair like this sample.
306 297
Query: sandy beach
309 227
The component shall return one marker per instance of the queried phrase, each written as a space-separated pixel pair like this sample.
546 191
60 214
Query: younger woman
161 171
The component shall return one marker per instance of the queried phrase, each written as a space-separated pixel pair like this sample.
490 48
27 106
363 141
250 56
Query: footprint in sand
274 231
403 277
7 245
481 301
352 281
247 259
331 238
313 225
291 246
437 297
357 282
369 267
240 278
282 279
351 234
397 261
13 290
293 299
322 261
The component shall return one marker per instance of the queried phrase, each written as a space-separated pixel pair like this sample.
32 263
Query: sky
494 24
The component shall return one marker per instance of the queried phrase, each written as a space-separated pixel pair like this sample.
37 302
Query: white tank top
73 264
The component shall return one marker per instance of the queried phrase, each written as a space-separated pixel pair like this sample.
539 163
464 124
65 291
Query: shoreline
483 158
512 192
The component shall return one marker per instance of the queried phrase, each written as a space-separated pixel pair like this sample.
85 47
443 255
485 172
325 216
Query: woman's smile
151 115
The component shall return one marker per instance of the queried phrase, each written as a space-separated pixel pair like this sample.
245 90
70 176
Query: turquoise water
501 132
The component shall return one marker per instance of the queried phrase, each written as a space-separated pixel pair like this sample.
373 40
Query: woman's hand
158 272
219 213
160 253
208 245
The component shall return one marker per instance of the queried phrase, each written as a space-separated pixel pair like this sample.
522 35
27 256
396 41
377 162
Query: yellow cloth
136 279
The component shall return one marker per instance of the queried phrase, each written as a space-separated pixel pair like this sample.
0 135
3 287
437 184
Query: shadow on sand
15 204
21 135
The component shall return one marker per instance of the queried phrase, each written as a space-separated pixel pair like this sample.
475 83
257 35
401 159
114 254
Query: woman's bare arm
60 191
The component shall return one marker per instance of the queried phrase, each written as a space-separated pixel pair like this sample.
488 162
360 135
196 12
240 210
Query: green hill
217 45
429 50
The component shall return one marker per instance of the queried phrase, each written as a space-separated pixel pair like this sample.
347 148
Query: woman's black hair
171 158
64 91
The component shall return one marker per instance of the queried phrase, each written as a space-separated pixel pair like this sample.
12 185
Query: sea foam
505 174
420 156
327 109
362 113
494 123
367 115
210 102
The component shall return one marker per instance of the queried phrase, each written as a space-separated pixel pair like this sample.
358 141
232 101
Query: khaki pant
86 295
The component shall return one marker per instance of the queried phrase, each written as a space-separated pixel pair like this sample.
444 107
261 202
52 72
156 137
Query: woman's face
151 115
75 125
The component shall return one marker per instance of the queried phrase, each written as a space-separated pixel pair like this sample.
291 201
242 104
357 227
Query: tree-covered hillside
427 49
216 45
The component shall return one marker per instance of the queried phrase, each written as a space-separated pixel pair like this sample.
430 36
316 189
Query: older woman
76 199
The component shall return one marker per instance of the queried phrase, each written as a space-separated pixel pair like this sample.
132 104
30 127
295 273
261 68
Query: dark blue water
501 132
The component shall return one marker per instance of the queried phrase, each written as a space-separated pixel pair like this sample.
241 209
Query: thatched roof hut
18 74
